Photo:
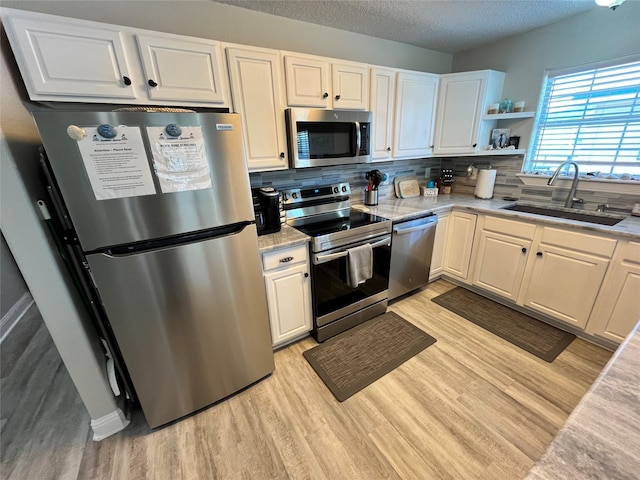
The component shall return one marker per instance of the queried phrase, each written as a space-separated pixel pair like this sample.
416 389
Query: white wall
12 286
238 25
596 35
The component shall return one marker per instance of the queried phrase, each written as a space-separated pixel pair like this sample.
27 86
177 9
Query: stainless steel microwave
318 138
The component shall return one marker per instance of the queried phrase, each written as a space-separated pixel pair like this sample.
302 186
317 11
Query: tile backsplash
507 183
354 174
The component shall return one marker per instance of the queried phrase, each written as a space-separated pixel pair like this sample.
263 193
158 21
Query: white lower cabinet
288 285
617 309
459 244
565 273
439 243
501 255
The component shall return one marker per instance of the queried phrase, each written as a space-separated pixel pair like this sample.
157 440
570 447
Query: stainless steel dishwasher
411 250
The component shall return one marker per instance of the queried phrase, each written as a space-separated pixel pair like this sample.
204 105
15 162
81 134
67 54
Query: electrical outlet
427 172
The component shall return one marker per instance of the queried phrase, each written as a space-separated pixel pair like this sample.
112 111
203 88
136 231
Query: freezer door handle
157 244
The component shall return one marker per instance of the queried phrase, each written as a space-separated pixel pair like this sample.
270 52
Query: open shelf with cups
508 116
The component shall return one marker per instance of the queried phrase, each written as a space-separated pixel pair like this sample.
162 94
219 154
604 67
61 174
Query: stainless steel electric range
325 214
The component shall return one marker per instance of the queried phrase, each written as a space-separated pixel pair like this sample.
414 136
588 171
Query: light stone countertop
601 438
286 237
400 208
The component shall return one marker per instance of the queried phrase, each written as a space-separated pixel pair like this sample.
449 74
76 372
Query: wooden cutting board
409 188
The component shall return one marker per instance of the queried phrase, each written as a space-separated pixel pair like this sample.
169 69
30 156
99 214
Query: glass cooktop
355 219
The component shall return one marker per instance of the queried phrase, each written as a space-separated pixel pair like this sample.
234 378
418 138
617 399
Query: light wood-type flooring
472 406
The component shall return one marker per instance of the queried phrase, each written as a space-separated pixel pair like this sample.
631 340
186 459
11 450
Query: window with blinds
591 117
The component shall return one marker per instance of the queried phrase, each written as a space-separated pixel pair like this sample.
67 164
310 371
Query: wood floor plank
471 406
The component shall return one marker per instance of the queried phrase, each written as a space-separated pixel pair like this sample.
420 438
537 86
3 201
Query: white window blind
592 118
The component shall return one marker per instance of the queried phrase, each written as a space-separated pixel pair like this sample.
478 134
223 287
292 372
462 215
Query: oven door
333 297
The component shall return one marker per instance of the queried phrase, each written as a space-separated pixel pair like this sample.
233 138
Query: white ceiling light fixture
612 4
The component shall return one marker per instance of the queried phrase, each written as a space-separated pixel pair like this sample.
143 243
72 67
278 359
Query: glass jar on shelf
506 106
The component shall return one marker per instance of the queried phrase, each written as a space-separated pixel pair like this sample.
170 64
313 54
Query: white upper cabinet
258 96
318 82
463 99
307 80
414 114
350 86
69 58
182 69
382 104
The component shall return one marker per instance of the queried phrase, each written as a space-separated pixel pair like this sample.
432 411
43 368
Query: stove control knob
344 188
294 195
335 189
285 196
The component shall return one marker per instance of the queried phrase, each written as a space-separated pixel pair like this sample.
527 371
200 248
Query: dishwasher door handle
402 231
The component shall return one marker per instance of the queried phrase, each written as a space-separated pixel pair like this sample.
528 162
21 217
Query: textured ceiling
449 26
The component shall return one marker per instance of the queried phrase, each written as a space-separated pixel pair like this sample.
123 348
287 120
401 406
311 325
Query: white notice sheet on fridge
117 167
180 161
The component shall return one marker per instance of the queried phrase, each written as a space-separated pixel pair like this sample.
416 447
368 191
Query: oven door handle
332 256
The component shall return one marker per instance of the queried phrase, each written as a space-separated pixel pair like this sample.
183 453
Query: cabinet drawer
284 257
582 242
509 227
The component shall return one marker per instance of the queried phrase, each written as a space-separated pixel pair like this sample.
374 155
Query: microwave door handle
358 139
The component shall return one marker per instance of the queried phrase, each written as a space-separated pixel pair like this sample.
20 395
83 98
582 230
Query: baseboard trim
109 424
15 313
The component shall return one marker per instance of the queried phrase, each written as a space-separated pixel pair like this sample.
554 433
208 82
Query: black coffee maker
266 206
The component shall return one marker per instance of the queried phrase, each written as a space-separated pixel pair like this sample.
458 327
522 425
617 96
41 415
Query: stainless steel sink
600 219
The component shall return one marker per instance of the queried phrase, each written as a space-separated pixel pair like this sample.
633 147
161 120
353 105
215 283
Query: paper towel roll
485 183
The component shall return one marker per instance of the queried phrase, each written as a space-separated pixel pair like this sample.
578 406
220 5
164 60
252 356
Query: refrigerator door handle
139 247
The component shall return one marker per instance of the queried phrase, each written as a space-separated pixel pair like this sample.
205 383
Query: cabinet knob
126 80
431 146
152 83
388 149
281 154
474 145
524 250
325 95
306 275
337 97
539 254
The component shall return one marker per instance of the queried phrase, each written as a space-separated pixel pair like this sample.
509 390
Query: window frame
549 75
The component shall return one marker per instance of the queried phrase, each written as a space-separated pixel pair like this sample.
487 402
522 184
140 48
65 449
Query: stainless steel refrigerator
158 208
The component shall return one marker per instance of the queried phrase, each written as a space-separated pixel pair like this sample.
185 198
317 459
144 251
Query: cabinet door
350 86
501 260
617 309
59 58
256 88
439 243
289 299
183 69
307 81
415 109
459 244
459 101
564 283
382 101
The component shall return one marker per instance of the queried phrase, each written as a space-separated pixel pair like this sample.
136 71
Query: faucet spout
571 198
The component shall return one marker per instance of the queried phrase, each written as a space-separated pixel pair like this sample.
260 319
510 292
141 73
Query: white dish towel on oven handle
360 264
